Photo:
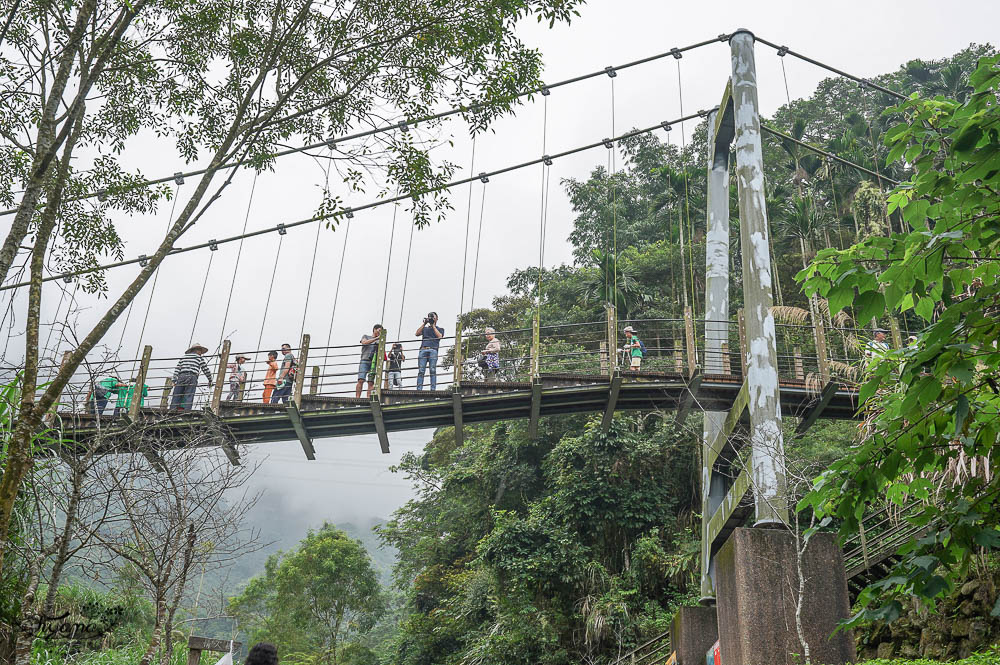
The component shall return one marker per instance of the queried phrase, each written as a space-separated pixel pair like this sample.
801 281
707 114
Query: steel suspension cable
312 266
270 289
541 220
388 263
784 50
312 270
156 276
239 253
468 223
687 196
479 238
380 202
340 273
204 285
55 320
406 280
614 197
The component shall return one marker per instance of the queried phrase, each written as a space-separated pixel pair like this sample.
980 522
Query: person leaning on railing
186 377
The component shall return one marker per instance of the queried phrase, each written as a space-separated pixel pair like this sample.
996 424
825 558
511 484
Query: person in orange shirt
270 379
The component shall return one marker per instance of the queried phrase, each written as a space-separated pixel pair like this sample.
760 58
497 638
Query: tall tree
311 600
217 82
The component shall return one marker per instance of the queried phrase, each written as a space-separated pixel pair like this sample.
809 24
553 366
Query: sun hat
629 329
194 348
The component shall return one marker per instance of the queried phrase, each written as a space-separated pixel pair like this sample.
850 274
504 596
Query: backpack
642 348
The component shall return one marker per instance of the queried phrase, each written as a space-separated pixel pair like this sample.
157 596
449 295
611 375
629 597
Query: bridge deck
480 402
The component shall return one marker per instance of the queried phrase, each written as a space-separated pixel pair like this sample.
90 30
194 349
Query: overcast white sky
350 479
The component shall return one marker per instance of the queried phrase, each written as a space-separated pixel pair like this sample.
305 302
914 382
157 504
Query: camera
428 320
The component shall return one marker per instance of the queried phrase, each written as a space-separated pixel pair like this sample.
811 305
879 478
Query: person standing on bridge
186 377
430 334
396 358
635 349
103 390
877 347
237 379
286 377
271 376
489 358
366 368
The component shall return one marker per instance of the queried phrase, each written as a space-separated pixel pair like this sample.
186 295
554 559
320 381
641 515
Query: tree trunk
154 640
62 542
29 415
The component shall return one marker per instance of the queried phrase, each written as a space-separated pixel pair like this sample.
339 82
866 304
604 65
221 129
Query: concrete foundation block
756 590
693 631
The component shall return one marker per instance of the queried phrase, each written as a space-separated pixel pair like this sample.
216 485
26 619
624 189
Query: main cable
784 50
401 125
348 212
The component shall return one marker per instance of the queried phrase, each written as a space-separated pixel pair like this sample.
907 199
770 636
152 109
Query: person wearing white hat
186 377
633 348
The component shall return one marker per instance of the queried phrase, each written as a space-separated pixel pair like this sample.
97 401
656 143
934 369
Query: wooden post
536 347
314 381
165 400
300 374
140 381
612 318
742 326
457 368
678 357
692 350
800 373
220 376
822 359
604 357
897 336
380 362
727 364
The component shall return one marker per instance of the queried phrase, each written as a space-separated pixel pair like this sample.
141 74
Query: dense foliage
932 430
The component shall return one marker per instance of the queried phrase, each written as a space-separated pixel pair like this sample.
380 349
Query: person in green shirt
634 346
103 391
125 396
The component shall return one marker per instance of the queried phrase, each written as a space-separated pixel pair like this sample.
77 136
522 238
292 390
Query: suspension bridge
745 372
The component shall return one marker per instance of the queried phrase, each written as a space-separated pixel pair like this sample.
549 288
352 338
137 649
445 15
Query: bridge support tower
751 575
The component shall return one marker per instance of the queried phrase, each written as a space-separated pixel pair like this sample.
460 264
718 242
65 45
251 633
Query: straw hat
196 347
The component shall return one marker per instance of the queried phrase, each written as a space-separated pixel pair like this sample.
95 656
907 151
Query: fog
350 481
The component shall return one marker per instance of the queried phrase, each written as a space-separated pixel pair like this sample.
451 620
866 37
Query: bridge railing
580 349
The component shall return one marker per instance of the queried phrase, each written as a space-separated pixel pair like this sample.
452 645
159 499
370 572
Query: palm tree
609 282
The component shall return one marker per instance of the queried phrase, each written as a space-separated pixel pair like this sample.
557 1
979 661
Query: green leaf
869 305
925 308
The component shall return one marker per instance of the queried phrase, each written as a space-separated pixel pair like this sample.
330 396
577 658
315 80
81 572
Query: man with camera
430 335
